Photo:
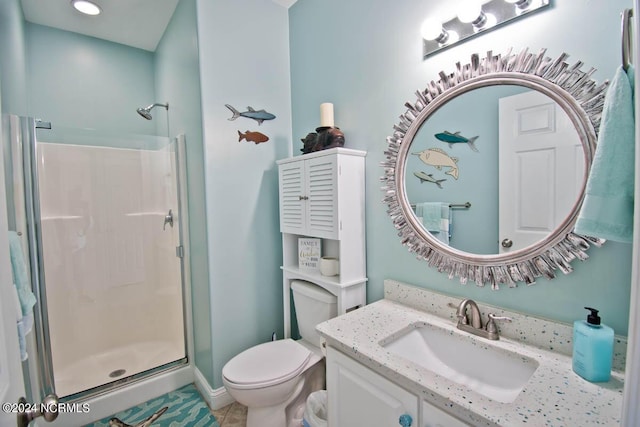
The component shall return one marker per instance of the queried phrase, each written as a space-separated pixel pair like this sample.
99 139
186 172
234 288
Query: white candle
326 114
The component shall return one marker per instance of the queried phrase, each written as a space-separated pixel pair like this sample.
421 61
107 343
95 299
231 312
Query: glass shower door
110 246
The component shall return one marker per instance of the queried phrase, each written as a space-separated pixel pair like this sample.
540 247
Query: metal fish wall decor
437 158
456 138
428 177
250 136
257 115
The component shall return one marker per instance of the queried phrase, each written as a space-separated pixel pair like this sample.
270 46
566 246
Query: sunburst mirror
509 139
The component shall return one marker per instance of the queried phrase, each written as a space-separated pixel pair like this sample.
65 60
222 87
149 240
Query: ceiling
137 23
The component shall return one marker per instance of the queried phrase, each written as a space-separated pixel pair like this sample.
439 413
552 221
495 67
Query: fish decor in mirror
574 92
425 177
456 138
250 136
438 158
257 115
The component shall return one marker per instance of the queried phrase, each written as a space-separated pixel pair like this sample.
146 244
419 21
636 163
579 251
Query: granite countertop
553 396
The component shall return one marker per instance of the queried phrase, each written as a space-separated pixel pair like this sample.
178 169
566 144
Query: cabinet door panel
360 397
322 178
292 206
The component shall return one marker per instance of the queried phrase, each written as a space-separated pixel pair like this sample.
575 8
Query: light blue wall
84 82
13 77
365 57
244 61
178 82
13 62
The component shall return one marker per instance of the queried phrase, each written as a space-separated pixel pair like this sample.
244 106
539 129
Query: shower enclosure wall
100 216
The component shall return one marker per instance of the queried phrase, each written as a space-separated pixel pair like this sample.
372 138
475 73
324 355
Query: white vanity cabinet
358 396
322 196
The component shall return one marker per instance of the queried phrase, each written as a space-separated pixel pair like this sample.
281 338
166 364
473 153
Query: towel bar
465 205
626 38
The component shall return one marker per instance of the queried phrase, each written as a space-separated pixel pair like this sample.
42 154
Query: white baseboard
216 399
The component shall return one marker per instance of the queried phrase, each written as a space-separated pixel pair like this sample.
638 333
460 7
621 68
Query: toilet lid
271 362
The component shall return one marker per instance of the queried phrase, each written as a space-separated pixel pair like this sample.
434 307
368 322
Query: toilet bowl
274 379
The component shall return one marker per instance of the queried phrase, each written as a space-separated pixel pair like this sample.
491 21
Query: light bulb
469 12
452 37
432 30
86 7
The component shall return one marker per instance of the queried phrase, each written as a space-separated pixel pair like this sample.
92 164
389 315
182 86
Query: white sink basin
493 372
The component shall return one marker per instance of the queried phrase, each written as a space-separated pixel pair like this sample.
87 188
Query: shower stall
100 218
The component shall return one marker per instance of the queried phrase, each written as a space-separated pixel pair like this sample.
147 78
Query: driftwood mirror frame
576 93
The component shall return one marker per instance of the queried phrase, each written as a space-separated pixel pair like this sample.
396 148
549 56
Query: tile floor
186 408
234 415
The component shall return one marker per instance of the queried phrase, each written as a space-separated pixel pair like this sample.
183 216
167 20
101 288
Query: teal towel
431 213
20 276
607 210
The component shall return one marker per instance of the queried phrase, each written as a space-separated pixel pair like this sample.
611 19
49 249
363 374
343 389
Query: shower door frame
44 383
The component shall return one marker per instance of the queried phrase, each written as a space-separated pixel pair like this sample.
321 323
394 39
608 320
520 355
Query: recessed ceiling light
86 7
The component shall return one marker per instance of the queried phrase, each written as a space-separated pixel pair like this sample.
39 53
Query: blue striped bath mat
186 409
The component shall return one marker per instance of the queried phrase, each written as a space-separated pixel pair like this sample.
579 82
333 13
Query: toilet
275 378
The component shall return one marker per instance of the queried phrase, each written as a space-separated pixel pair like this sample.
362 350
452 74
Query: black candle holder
323 138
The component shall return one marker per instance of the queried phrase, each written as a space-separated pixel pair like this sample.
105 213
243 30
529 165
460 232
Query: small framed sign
309 253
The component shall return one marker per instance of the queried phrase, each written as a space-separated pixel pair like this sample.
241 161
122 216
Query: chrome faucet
490 331
476 319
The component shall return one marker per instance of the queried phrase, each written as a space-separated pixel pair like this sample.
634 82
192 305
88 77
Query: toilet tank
313 305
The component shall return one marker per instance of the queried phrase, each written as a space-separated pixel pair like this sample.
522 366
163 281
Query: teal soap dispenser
592 348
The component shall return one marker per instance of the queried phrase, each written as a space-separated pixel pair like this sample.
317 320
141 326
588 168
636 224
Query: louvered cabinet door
293 201
322 189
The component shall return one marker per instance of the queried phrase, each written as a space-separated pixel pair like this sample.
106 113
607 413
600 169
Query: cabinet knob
405 420
303 197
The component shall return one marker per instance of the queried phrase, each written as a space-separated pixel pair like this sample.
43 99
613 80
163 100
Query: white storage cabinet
322 195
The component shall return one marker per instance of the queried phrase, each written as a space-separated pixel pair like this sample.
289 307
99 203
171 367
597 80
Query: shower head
146 111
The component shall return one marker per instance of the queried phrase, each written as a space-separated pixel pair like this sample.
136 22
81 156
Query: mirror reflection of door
541 169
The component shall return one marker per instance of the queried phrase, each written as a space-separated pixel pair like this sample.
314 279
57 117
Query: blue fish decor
456 138
257 115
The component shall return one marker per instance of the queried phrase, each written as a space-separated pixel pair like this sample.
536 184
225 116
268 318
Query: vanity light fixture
520 4
475 17
86 7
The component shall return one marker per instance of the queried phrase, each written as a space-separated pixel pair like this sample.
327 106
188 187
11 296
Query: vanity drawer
435 417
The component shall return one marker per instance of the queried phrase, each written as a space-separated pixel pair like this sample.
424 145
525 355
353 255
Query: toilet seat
266 364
